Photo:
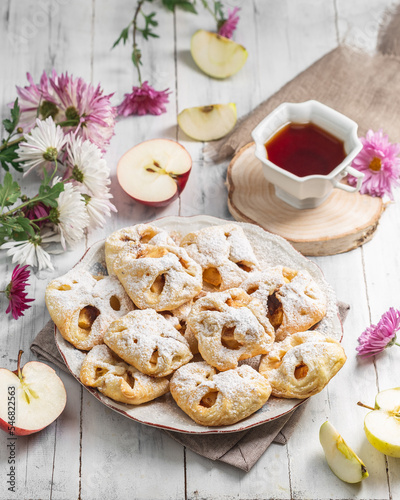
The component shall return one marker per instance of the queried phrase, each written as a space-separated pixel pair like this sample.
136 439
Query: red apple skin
17 431
180 180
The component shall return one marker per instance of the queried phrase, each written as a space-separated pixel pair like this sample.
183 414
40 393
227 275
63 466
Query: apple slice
382 425
208 123
154 172
340 457
216 55
31 398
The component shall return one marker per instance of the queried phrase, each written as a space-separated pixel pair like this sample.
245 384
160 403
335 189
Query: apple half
154 172
216 55
30 398
208 123
342 460
382 425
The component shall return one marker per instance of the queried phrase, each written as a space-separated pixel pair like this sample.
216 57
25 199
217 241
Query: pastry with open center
119 381
292 299
302 364
178 318
230 326
224 254
214 399
159 277
82 306
149 342
140 234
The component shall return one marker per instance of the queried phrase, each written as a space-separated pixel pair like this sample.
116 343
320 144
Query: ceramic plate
163 412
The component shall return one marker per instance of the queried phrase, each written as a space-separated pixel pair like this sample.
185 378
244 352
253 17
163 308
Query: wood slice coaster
343 222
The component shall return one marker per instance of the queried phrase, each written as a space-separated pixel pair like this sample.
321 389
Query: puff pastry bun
230 326
83 306
292 299
213 399
149 342
158 277
302 364
139 234
224 254
178 318
119 381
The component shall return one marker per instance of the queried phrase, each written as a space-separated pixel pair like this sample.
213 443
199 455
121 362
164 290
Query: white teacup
312 190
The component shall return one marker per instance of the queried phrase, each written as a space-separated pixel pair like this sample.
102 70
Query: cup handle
355 173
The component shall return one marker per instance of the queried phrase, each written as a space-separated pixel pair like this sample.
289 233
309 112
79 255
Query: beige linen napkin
240 449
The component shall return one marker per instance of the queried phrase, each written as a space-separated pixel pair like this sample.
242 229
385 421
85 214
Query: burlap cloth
364 87
367 89
240 449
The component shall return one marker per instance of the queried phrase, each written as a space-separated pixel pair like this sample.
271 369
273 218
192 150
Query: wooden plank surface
91 452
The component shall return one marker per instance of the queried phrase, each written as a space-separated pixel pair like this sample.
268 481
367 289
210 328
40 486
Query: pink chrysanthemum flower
380 163
86 107
36 101
228 26
37 211
377 337
15 292
68 100
144 100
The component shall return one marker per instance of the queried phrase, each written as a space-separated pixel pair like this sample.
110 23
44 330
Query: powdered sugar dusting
270 251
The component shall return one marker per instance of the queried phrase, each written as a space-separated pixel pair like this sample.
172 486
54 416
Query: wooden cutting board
343 222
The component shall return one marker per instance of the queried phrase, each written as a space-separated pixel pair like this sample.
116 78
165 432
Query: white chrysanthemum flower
42 146
90 172
70 216
98 208
30 252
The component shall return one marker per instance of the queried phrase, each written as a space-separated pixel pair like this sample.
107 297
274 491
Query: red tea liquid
305 149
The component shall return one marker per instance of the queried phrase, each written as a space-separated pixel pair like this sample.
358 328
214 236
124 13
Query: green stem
134 22
54 171
396 343
23 205
7 144
207 7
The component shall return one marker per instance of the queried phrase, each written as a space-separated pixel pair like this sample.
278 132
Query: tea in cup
306 149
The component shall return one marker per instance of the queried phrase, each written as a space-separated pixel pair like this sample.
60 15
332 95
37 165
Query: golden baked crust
215 399
140 234
302 364
158 277
82 306
224 254
149 342
230 326
178 318
292 299
119 381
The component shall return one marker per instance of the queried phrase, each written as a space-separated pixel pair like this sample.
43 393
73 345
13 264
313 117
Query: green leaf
122 37
25 223
48 195
182 4
8 156
219 10
11 225
10 125
9 191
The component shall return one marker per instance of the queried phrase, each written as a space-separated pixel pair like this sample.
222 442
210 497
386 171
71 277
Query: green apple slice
382 426
207 123
340 457
216 55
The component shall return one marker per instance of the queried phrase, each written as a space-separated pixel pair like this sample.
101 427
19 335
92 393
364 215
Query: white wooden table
91 452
